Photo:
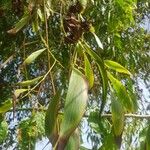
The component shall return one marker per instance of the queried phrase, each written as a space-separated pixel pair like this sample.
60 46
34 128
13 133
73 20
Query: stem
40 80
48 49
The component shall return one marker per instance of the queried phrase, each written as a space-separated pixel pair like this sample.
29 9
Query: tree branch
137 116
128 116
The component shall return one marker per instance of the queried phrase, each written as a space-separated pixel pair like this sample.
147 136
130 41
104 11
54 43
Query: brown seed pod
17 7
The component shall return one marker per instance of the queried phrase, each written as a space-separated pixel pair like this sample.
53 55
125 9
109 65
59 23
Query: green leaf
51 118
4 107
83 4
117 116
19 91
98 40
73 142
103 74
88 72
30 82
3 131
18 26
33 56
121 92
148 139
35 25
40 14
75 106
116 66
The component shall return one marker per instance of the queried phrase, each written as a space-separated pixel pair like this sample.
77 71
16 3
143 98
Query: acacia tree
66 61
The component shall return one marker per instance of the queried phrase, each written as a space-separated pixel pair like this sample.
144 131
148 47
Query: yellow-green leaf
18 26
35 25
40 14
19 91
99 43
3 131
121 92
117 116
73 142
33 56
116 66
83 4
4 107
88 71
30 82
51 118
148 139
75 106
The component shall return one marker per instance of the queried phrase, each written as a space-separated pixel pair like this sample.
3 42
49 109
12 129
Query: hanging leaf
121 92
7 105
30 82
35 24
88 72
116 66
117 116
51 118
40 14
18 26
148 139
33 56
98 40
19 91
73 142
75 106
3 131
103 74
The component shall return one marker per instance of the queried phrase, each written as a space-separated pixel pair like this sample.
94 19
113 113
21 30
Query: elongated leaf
51 118
40 14
88 71
19 91
18 26
121 92
33 56
98 40
117 117
30 82
35 25
4 107
74 140
148 139
103 74
116 66
83 4
75 106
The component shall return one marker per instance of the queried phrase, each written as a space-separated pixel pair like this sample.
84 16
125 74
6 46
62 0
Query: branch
128 116
137 116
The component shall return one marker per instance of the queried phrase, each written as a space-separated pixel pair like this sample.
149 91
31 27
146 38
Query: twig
49 65
6 62
40 80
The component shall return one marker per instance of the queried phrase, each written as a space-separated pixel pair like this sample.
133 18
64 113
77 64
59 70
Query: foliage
3 130
74 59
30 130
